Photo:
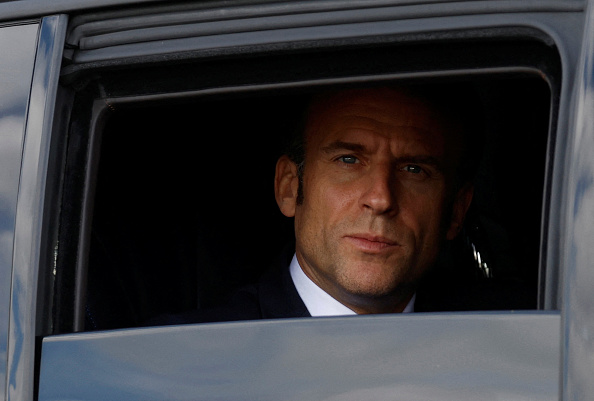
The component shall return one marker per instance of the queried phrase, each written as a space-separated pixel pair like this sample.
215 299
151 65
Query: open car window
184 215
176 210
167 198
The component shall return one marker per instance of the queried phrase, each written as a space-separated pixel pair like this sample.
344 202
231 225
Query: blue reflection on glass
463 356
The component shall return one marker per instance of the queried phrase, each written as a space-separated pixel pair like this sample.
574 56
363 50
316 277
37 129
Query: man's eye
411 168
348 159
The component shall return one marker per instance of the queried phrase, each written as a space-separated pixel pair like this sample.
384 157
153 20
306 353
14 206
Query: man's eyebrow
341 145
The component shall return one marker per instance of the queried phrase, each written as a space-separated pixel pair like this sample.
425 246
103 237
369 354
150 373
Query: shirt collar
317 301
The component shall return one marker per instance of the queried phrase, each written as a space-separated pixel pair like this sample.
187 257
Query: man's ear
460 207
286 185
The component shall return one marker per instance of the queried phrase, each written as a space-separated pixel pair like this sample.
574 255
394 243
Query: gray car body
546 354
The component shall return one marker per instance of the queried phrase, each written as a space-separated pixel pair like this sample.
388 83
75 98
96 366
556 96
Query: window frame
103 102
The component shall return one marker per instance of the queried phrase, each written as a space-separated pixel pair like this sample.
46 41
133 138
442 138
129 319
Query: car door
92 65
198 53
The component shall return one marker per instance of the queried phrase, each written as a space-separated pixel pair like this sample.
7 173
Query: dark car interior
180 210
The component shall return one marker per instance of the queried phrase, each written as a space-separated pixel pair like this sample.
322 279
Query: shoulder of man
242 306
273 296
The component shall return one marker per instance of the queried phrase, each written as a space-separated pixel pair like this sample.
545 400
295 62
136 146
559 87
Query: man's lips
370 242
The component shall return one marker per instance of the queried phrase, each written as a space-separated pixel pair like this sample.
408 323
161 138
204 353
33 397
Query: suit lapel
277 295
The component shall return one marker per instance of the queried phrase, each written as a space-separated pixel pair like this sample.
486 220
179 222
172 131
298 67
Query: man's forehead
374 110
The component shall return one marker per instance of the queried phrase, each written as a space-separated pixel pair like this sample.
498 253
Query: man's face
377 197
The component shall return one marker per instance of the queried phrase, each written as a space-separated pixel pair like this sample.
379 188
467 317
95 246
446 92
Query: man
377 181
377 193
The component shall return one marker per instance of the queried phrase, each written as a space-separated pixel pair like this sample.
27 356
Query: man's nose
379 195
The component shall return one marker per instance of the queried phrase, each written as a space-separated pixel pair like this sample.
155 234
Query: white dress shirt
317 301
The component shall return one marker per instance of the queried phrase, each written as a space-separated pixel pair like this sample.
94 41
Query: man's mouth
370 242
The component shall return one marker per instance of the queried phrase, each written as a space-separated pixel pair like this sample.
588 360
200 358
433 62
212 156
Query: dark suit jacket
274 296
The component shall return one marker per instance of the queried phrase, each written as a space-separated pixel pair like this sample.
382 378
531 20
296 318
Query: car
137 150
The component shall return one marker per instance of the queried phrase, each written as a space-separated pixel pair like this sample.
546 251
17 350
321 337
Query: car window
175 210
184 213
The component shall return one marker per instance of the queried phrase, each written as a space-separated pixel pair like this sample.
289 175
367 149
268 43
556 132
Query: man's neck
319 302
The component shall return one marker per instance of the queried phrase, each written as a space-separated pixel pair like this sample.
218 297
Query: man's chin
374 288
366 300
379 283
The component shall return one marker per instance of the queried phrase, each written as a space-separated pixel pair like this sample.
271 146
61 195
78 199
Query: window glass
462 357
